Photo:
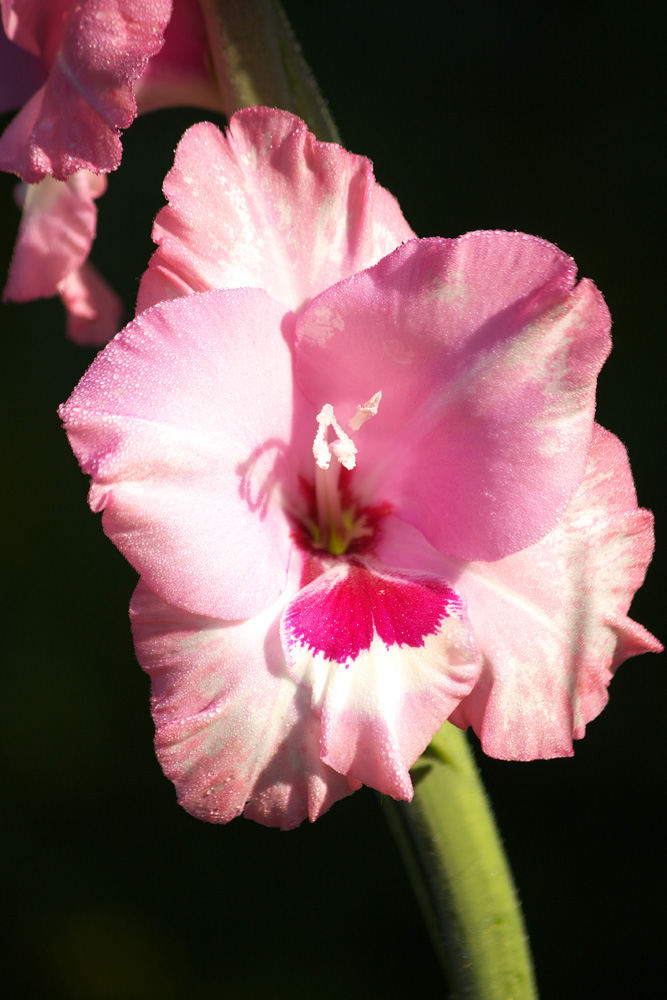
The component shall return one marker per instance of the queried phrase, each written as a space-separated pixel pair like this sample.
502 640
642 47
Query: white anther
365 411
343 448
345 451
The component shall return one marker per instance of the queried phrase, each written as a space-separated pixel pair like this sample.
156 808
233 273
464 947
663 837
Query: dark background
546 118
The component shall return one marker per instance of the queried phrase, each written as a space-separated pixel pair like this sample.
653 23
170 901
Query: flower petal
233 732
57 230
267 206
183 423
180 73
487 356
95 58
21 74
551 621
36 27
387 657
93 309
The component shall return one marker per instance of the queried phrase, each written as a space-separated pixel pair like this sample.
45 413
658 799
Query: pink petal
233 732
487 355
551 621
267 206
21 74
387 657
94 310
57 230
36 26
73 121
180 73
183 423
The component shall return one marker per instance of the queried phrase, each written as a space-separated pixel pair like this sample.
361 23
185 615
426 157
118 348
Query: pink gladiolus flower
82 71
364 495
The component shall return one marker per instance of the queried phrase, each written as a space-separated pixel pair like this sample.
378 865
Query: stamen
337 527
343 448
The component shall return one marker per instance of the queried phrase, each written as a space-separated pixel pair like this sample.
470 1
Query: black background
546 118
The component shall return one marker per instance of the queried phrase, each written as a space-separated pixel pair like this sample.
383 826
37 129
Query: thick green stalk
257 60
452 849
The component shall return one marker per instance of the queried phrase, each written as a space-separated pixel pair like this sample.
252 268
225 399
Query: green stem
257 60
452 850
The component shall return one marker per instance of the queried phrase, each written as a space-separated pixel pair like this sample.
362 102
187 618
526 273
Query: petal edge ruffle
94 60
267 206
551 621
233 732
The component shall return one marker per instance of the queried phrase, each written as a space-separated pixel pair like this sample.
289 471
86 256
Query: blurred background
546 118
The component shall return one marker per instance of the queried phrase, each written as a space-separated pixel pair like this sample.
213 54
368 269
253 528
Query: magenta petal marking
340 615
387 656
